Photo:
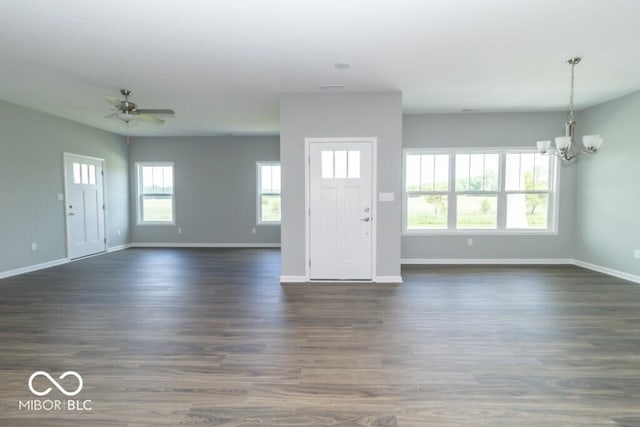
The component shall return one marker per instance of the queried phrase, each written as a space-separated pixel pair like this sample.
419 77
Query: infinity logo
55 383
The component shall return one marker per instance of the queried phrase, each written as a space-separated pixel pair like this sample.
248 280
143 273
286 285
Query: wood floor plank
209 336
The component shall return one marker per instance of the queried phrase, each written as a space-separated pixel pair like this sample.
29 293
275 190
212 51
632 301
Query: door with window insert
340 214
84 205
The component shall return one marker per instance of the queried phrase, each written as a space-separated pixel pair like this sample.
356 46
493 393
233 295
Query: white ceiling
221 64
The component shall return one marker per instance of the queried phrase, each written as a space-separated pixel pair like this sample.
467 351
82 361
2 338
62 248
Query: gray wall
31 175
492 130
340 115
608 198
215 188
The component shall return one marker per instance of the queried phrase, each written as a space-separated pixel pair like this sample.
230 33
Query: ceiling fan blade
149 118
108 116
113 101
155 111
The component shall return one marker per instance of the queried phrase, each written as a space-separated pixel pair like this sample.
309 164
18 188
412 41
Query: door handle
365 219
71 213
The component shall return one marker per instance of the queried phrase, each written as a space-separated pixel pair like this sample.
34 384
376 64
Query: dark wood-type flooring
209 336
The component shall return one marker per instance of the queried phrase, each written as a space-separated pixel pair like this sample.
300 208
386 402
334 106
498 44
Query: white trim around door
370 276
84 205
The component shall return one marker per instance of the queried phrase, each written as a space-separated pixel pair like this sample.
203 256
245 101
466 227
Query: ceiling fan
128 111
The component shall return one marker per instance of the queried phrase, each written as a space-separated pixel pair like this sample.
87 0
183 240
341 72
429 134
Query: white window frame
259 193
552 216
140 194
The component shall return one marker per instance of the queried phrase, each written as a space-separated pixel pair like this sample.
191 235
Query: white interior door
84 205
340 210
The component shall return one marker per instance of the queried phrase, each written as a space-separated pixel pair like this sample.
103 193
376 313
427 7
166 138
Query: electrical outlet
469 242
253 231
179 230
118 232
636 254
34 246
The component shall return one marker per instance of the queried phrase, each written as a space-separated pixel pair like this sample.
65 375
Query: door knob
365 219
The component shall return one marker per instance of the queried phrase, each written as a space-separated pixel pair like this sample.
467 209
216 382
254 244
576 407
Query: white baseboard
522 261
293 279
388 279
204 245
488 261
118 247
304 279
609 271
30 268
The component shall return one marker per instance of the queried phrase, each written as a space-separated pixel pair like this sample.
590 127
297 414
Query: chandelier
563 149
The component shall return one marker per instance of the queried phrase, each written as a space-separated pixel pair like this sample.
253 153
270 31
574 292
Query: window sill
471 232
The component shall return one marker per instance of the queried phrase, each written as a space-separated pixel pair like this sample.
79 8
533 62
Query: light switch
60 197
385 197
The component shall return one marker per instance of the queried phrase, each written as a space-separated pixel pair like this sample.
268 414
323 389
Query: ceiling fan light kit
129 112
591 143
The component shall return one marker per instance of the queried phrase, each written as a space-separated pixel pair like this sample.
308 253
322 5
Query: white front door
340 210
84 205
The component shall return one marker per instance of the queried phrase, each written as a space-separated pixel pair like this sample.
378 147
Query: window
527 187
479 190
268 193
155 193
340 164
84 173
427 184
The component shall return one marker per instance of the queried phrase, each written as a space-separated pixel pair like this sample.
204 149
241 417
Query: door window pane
327 164
340 164
84 173
354 164
76 173
92 174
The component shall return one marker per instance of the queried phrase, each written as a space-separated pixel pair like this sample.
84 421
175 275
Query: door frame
65 156
374 197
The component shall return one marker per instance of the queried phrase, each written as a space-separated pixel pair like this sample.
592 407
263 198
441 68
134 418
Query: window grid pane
477 211
427 211
527 211
353 164
84 173
265 179
92 174
76 173
327 164
340 164
413 172
426 172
